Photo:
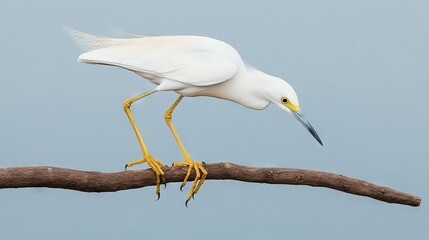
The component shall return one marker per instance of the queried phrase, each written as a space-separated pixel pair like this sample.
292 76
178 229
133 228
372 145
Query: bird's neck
254 83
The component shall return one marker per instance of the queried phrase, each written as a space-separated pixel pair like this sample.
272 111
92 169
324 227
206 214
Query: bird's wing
203 69
179 63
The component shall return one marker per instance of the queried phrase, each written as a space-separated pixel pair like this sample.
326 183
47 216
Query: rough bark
89 181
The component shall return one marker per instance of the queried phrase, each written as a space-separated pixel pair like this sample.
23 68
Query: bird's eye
284 100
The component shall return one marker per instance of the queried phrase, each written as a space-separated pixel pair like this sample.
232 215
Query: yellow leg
152 162
200 172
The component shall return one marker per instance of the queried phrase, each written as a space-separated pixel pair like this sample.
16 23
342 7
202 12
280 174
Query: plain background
360 69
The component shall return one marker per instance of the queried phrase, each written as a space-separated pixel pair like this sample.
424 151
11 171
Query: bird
190 66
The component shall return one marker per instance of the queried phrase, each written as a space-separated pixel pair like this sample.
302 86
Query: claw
181 187
186 203
156 166
164 182
204 164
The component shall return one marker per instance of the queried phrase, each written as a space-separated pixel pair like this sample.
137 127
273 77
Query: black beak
298 115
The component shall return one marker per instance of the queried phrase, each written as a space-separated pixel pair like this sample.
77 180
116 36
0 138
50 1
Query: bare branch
88 181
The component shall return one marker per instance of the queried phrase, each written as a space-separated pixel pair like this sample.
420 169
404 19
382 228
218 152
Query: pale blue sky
359 67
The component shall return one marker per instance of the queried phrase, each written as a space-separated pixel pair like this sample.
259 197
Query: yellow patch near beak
292 106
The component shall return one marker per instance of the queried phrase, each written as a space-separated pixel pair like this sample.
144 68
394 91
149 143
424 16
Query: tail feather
88 42
119 33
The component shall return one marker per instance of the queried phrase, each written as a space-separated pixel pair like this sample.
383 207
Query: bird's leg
152 162
200 172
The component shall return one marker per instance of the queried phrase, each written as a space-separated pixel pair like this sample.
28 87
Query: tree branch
88 181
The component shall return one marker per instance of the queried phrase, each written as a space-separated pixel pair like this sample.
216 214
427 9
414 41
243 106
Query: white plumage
191 66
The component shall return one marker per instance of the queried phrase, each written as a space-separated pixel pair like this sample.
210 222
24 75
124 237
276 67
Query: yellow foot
200 176
156 166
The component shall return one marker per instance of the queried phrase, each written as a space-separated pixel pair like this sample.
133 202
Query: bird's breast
226 91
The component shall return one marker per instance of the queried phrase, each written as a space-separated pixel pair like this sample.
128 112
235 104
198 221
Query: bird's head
283 95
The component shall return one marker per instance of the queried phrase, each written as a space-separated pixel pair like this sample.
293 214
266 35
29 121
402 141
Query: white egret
191 66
